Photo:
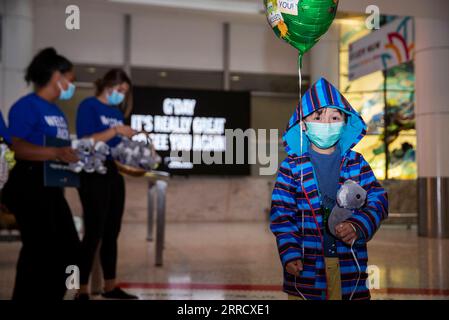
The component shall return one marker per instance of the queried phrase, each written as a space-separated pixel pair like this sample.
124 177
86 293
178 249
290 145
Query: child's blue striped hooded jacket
289 200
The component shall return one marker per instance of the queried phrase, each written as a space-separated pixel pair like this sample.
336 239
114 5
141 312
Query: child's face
324 127
325 115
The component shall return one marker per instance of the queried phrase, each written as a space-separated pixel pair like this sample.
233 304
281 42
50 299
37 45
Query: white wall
99 41
228 199
161 38
418 8
255 48
176 41
185 39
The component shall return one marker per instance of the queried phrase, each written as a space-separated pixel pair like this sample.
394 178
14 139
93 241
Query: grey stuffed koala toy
91 156
350 196
136 154
84 149
101 151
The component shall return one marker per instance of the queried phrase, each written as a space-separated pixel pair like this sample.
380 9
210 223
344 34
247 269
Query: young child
316 264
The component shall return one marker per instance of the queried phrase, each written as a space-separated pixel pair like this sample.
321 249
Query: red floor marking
262 287
415 291
200 286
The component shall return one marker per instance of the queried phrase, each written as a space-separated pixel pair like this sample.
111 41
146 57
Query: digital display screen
189 129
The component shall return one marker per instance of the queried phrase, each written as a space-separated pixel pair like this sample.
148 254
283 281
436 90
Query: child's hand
346 232
294 267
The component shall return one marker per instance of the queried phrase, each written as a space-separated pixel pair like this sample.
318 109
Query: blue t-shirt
327 170
94 116
32 117
4 133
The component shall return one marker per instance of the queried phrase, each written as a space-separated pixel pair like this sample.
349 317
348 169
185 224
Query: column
324 56
17 48
432 126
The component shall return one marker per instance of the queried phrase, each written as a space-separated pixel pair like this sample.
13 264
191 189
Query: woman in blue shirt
103 196
49 239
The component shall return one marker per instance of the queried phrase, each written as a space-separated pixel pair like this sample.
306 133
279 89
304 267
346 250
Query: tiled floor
240 261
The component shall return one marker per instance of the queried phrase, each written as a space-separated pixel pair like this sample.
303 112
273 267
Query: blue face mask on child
115 98
68 93
324 135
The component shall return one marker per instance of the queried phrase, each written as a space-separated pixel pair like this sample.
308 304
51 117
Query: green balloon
301 23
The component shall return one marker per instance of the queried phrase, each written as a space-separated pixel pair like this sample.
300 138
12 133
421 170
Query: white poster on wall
385 48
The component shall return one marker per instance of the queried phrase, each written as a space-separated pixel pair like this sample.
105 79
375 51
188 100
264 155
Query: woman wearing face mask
103 196
49 239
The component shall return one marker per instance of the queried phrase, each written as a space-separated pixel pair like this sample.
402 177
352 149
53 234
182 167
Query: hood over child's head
317 105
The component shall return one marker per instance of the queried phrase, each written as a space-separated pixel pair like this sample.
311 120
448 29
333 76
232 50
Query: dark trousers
50 242
103 200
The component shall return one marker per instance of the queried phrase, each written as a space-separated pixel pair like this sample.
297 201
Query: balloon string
300 79
300 113
300 154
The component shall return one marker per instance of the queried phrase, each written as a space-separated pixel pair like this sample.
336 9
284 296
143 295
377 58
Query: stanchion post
161 189
150 208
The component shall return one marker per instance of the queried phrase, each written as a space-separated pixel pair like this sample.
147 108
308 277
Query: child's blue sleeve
368 219
283 215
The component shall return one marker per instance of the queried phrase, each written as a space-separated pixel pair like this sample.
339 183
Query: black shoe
81 297
118 293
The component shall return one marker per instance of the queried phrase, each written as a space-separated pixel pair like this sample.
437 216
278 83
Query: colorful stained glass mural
372 96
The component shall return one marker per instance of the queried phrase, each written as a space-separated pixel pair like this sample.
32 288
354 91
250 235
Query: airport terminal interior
196 231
